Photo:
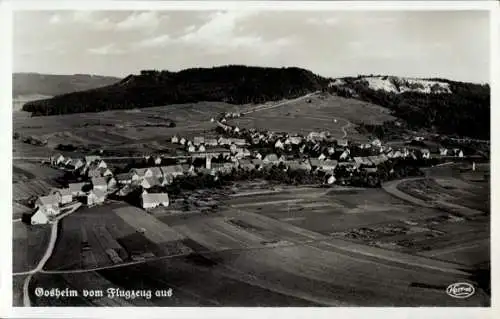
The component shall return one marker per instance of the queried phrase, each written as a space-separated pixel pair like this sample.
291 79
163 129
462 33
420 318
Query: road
345 127
391 187
41 264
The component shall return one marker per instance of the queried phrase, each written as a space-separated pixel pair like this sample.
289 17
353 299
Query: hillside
444 106
32 84
232 84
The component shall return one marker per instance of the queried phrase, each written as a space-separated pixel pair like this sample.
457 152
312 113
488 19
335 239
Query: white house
191 148
172 170
344 155
198 140
150 182
142 172
125 178
96 196
156 171
330 179
48 204
64 195
182 141
99 183
211 142
39 218
443 151
425 153
157 160
152 200
57 159
174 139
111 182
271 158
376 142
105 172
342 142
78 163
201 148
279 144
322 157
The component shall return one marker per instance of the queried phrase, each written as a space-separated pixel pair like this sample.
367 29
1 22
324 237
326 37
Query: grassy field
28 245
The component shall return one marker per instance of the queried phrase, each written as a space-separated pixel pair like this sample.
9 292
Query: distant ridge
234 84
30 84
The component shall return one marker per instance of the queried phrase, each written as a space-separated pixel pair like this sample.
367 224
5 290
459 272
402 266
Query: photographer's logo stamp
460 290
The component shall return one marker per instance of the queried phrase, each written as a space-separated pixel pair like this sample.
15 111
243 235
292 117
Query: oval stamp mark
460 290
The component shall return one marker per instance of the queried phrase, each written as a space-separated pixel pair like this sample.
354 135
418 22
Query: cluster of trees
466 111
232 84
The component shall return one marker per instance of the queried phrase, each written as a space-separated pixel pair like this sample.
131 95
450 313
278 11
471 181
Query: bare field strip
28 245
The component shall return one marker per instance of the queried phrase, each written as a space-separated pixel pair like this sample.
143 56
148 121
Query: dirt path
392 188
345 127
41 264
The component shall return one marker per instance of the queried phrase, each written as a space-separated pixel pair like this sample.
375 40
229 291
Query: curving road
41 264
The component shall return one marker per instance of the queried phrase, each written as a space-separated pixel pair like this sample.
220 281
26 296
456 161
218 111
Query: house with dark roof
48 204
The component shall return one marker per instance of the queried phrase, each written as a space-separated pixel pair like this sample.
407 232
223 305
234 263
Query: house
316 135
182 141
64 195
201 148
295 140
57 159
157 160
152 200
458 152
211 142
376 143
95 197
48 204
322 157
156 171
328 165
331 150
101 164
342 143
258 163
279 145
238 141
99 183
142 172
270 158
296 165
224 141
174 139
315 163
362 161
425 153
330 179
77 189
93 172
105 172
443 151
166 180
236 129
67 161
370 170
172 170
344 155
149 182
191 148
198 140
91 158
39 218
78 163
257 155
111 182
125 178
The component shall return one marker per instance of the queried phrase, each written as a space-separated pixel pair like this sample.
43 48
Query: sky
446 44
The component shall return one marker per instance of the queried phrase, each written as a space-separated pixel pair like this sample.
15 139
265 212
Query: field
28 245
136 129
105 235
319 115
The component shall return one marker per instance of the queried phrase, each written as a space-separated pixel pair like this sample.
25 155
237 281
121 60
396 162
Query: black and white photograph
251 156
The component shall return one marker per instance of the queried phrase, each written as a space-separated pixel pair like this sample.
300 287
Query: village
330 160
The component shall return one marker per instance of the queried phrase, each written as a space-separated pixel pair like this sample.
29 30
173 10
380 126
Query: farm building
172 170
279 145
149 182
64 195
57 159
76 188
154 200
48 204
342 142
96 196
111 182
237 141
125 178
99 183
211 142
156 171
39 218
271 158
91 158
142 172
198 140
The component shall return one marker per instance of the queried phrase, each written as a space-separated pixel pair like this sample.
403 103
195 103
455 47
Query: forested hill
444 106
232 84
28 84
